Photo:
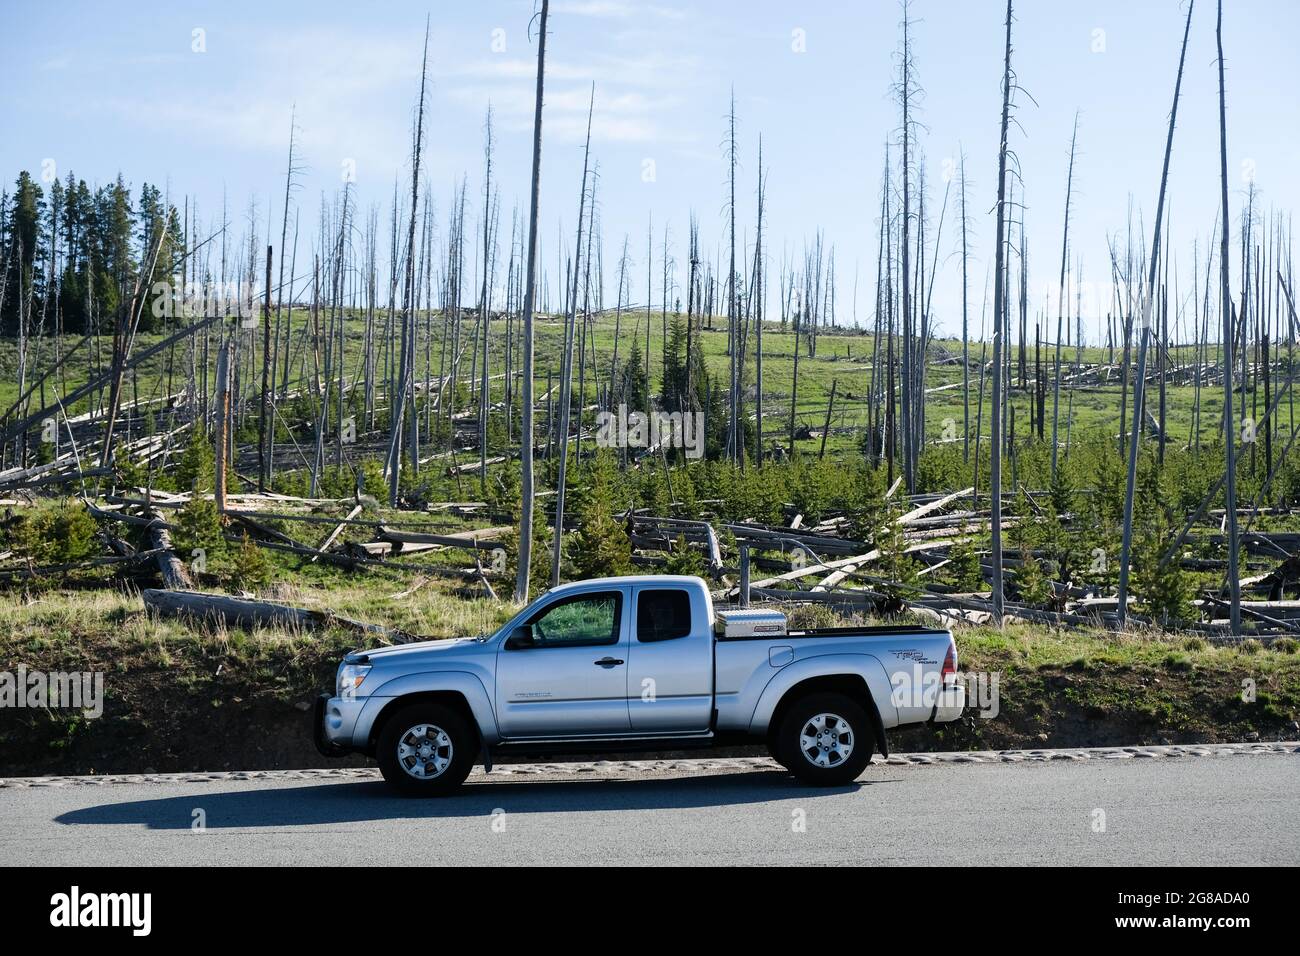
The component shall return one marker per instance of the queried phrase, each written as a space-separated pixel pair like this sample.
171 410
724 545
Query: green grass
843 357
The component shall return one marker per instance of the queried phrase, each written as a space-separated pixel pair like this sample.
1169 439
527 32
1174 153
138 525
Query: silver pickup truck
637 663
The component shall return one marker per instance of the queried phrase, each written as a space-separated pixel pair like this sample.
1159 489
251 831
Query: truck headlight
349 679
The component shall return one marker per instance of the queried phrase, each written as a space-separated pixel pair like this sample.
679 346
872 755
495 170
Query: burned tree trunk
528 491
1139 382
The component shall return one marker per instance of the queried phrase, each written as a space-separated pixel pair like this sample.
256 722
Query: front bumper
333 720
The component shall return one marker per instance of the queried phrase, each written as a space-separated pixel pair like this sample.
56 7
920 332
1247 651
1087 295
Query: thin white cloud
624 117
633 94
617 129
644 70
617 9
332 79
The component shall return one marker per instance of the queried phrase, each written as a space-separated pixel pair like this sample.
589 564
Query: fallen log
480 539
662 533
33 572
390 547
247 612
854 598
108 514
354 556
338 529
174 572
483 579
924 510
60 479
472 468
266 531
818 568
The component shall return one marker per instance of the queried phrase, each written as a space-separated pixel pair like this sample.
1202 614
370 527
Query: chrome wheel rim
826 740
424 751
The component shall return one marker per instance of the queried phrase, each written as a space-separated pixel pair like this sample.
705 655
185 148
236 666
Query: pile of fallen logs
806 562
652 534
258 518
816 564
251 516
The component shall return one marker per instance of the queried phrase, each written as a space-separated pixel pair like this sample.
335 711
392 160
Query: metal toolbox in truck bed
749 622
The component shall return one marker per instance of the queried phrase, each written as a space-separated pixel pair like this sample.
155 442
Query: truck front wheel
425 750
824 740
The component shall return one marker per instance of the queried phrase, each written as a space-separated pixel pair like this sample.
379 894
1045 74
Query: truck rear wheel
824 740
425 750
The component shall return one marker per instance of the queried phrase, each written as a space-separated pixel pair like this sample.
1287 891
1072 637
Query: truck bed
873 630
885 656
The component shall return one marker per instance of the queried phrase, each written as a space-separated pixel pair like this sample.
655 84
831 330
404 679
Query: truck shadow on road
372 801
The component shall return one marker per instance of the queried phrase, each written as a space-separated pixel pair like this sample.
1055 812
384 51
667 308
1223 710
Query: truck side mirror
521 639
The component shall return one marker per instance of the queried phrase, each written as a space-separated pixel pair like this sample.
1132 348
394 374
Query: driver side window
585 620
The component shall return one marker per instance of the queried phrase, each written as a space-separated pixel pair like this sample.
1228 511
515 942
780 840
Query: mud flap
882 745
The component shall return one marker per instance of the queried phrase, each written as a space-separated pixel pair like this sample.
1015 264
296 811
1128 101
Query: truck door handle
608 662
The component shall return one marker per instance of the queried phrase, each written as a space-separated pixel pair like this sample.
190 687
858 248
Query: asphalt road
1221 807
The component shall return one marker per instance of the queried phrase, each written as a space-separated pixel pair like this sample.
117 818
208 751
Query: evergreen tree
24 238
867 508
249 567
633 388
1164 593
198 525
504 494
1062 493
114 222
683 559
196 469
964 570
897 568
602 547
1031 582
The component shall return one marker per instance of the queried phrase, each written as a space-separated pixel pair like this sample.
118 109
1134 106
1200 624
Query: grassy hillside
180 697
843 357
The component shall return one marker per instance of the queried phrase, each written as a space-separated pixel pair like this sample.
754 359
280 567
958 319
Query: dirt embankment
245 705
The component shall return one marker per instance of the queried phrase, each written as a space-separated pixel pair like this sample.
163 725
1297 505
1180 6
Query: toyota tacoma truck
638 663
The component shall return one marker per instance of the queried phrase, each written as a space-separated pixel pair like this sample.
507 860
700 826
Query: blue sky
109 87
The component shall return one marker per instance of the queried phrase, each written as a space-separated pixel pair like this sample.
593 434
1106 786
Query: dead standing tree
1234 584
263 456
759 277
1060 292
965 317
733 317
1139 381
999 298
526 396
566 370
905 98
402 397
485 298
293 170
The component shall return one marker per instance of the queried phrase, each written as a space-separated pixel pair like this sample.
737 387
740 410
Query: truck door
670 662
570 678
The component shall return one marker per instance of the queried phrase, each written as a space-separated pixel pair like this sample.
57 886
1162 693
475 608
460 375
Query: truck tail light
950 660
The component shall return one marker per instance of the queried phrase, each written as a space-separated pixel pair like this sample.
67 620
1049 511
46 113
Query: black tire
395 753
774 749
841 761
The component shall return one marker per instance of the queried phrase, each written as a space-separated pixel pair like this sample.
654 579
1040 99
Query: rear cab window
662 614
